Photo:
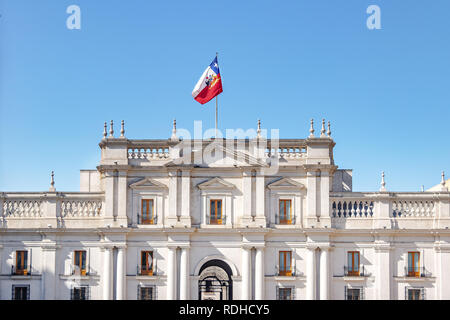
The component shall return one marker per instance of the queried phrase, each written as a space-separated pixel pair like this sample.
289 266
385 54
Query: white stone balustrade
148 153
41 209
413 208
288 152
352 208
22 208
391 207
81 208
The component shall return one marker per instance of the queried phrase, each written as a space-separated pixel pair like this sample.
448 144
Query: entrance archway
214 281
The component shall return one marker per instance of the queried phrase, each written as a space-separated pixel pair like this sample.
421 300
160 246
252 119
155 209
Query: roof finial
322 132
329 129
52 183
383 184
122 129
443 187
111 129
174 131
104 131
312 129
258 131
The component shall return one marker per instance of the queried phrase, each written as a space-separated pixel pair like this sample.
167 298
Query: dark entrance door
215 281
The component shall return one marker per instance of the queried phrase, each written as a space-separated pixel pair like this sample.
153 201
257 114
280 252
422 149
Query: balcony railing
352 272
143 271
416 272
352 208
400 206
213 221
283 221
15 271
75 271
292 272
44 205
145 220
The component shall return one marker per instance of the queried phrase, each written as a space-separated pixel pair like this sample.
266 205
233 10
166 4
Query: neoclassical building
252 218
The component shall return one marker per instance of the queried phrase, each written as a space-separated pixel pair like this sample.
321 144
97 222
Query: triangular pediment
215 184
147 183
285 183
222 157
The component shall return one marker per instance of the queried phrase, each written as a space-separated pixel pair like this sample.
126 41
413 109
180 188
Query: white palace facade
256 219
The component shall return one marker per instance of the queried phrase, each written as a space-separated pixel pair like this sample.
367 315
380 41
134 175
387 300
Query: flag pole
216 103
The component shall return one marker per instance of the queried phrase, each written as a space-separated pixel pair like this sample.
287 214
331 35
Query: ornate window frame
286 189
216 189
148 189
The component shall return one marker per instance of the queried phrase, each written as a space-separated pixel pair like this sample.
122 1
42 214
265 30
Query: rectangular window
285 294
21 292
80 293
21 262
146 293
79 267
285 212
215 212
353 294
147 211
285 263
353 263
415 294
147 263
413 264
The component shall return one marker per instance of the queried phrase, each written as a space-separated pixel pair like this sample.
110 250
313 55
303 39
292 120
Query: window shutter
138 296
14 255
88 261
30 260
72 263
345 293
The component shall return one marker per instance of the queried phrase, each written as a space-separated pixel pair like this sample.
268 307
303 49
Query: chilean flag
209 85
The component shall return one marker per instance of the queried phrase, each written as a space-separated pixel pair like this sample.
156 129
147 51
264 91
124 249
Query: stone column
172 218
107 259
121 197
311 274
184 274
172 274
260 199
384 271
311 199
324 274
121 273
48 282
246 267
186 198
259 274
246 197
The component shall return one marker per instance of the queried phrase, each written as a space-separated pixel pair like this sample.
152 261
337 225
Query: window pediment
285 184
215 184
148 184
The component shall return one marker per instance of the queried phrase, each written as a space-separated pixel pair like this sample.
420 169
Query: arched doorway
214 281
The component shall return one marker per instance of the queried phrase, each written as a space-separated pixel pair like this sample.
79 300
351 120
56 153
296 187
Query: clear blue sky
386 92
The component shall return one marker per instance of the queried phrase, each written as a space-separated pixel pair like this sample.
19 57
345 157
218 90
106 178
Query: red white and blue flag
209 85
